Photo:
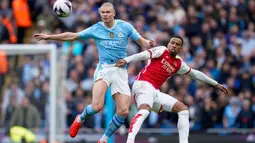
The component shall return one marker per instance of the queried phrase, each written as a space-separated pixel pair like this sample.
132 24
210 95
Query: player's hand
121 63
152 43
222 88
41 37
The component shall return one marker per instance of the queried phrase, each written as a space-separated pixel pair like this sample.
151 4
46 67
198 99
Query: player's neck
109 24
173 55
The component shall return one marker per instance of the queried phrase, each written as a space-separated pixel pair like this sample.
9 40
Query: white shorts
115 77
145 93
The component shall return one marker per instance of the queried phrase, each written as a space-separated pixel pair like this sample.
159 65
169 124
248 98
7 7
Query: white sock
79 120
104 139
183 126
129 140
136 124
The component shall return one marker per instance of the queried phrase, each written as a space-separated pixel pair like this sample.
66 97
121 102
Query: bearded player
163 63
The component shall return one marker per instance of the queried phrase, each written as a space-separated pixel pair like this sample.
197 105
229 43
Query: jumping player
163 63
111 38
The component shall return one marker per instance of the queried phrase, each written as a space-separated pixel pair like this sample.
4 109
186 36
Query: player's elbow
191 73
71 36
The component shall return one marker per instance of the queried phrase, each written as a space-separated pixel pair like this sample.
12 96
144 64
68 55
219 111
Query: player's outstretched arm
67 36
145 55
198 75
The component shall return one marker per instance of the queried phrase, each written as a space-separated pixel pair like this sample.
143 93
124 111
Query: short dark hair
176 36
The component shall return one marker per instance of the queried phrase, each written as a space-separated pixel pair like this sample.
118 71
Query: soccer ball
62 8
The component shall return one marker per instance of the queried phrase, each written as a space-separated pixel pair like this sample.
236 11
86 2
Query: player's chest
118 34
166 65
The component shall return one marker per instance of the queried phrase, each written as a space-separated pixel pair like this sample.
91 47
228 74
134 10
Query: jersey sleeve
156 51
132 33
86 33
184 69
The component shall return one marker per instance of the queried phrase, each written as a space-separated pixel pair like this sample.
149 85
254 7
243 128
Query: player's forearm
144 43
67 36
202 77
145 55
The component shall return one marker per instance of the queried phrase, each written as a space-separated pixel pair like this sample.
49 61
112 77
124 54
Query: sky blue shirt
231 115
111 42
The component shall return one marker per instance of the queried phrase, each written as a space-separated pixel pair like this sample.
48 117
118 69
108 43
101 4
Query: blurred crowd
219 40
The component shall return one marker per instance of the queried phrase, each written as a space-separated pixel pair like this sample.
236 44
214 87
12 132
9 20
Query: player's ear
114 13
99 11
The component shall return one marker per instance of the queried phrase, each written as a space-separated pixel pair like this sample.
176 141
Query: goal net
32 92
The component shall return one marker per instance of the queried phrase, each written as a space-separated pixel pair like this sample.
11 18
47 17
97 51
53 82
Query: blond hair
108 4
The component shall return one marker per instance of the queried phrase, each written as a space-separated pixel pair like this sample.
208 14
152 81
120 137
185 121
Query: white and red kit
160 67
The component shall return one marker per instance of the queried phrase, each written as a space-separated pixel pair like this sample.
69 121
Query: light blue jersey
111 42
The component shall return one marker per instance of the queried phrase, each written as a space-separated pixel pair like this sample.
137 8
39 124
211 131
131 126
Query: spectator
4 34
22 17
27 116
12 92
246 117
231 112
3 69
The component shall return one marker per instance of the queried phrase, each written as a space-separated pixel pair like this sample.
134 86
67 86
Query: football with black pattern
62 8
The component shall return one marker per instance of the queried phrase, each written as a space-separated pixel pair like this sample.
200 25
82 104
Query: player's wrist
49 37
127 59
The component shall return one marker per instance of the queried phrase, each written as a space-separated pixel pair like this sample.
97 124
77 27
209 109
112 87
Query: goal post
30 49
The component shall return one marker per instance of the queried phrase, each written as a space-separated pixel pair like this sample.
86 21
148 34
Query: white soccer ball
62 8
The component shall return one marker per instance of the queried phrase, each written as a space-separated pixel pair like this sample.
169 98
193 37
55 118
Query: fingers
117 65
153 43
120 63
38 37
224 89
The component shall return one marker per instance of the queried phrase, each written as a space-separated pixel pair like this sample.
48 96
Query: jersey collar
114 25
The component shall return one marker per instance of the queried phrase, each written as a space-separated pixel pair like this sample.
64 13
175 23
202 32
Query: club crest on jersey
120 34
111 35
175 63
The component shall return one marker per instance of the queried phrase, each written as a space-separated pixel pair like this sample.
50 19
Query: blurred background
219 40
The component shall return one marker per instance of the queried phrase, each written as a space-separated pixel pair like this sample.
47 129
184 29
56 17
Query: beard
173 54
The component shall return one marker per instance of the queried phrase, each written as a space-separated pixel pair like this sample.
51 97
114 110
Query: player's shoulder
98 24
178 57
122 23
119 21
157 51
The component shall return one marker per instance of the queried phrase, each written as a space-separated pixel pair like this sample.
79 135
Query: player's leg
183 121
122 104
170 104
121 95
143 95
98 96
